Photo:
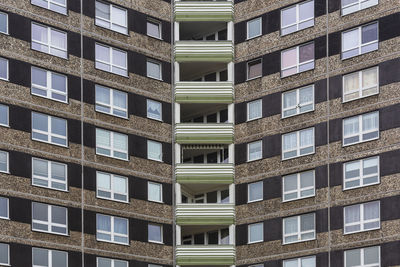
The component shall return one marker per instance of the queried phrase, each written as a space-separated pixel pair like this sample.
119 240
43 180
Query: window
360 84
154 28
155 233
154 110
299 228
360 40
111 59
4 254
255 191
298 185
153 265
154 150
112 229
299 143
111 144
362 217
298 101
297 59
49 218
3 22
4 208
361 173
49 174
154 192
351 6
3 69
300 262
49 129
254 151
254 28
111 101
49 258
154 69
361 128
254 110
111 186
59 6
363 257
49 40
105 262
49 84
256 232
297 17
4 161
3 115
254 69
111 17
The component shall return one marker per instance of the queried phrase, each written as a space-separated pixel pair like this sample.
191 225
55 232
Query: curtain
103 181
308 262
307 222
370 166
306 52
154 191
289 58
255 150
102 94
290 99
369 33
119 58
102 10
290 263
119 99
120 184
370 121
371 210
40 167
289 141
120 225
58 126
291 225
103 138
154 108
58 39
351 126
290 182
306 137
39 77
306 95
119 16
39 33
350 40
102 53
58 171
104 223
255 109
58 82
352 169
120 142
39 122
369 78
351 82
154 150
352 214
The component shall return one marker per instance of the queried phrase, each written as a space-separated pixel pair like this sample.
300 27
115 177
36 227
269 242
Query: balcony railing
204 92
203 10
205 255
189 173
205 214
204 133
203 51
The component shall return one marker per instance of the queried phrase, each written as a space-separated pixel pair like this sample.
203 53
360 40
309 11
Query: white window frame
299 232
298 106
362 254
111 106
161 192
247 69
299 260
51 2
112 261
112 233
48 45
360 45
361 177
49 222
7 69
111 147
49 133
161 151
358 3
248 151
360 90
8 250
111 23
147 112
8 116
297 23
161 233
262 192
298 64
49 257
153 21
49 90
156 63
262 233
360 132
362 221
8 161
298 190
8 209
298 148
6 32
248 110
111 64
49 179
247 27
112 190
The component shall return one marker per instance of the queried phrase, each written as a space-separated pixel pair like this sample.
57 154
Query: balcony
205 214
204 92
204 51
205 255
203 11
221 173
204 133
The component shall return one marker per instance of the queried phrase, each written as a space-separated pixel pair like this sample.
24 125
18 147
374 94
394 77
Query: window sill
65 14
362 97
254 78
362 231
255 242
114 200
253 37
295 199
294 115
126 33
249 120
109 72
41 141
107 156
47 232
369 140
253 201
156 242
50 188
252 160
300 241
312 153
116 116
111 242
66 58
59 101
155 37
160 120
155 201
283 77
361 186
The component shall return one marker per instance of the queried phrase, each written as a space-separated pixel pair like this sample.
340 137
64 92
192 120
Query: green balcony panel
204 51
187 173
204 133
205 255
205 214
204 92
203 11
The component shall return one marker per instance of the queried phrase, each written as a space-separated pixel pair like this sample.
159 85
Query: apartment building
199 133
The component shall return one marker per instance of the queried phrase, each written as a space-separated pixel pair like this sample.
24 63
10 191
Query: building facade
200 133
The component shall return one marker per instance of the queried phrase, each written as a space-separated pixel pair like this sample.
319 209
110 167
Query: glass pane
3 22
306 10
120 226
350 40
370 121
103 262
103 222
39 77
119 99
154 150
58 82
102 94
120 142
40 257
103 181
40 168
153 109
3 207
254 69
254 28
351 126
306 52
102 53
102 10
155 233
370 166
153 70
255 150
120 184
352 170
290 99
288 16
308 262
371 210
290 263
371 255
40 122
119 58
306 179
118 263
369 78
369 33
58 39
351 82
289 141
39 33
353 257
39 211
255 109
289 58
291 225
58 171
307 137
256 232
256 191
347 2
103 138
58 126
119 16
154 192
3 68
59 215
307 222
290 182
352 214
59 259
153 29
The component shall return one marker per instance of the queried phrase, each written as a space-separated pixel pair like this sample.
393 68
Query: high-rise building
152 133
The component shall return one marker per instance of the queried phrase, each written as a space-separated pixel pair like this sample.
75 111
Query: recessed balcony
203 10
205 255
204 133
205 214
204 51
204 92
192 173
